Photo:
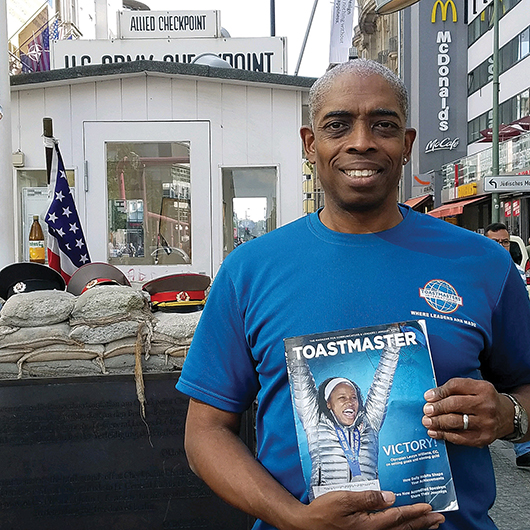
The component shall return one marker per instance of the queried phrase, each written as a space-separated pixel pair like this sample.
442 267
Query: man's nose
361 137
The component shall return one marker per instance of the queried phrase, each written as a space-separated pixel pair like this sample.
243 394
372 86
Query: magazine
358 403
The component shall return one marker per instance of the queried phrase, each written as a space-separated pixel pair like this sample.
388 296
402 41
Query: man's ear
308 139
410 136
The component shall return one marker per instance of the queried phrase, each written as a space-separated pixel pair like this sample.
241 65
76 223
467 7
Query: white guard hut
172 164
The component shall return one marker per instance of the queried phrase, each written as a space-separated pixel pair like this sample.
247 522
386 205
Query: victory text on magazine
358 402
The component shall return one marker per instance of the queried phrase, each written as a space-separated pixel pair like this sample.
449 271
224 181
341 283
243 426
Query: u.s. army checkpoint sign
506 183
259 54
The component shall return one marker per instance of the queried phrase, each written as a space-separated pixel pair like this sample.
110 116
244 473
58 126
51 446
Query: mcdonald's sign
444 7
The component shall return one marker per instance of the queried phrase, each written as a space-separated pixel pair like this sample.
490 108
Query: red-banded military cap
178 292
92 274
26 277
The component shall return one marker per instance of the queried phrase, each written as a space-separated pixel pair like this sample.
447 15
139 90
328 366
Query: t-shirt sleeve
507 363
219 369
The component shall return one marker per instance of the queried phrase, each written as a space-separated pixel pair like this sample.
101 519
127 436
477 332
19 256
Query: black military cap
26 277
178 292
92 274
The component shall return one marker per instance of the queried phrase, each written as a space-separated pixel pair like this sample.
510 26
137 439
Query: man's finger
455 386
362 501
413 517
449 422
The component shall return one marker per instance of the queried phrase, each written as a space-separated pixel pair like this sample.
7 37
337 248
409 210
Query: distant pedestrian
499 232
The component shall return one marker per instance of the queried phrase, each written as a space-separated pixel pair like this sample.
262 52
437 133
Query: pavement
511 510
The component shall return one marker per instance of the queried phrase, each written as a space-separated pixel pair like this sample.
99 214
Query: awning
418 201
453 208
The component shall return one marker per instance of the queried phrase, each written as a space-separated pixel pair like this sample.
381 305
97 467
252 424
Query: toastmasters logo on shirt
441 296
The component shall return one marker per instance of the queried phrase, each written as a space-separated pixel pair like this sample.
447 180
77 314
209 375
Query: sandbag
60 353
106 304
37 308
37 337
105 333
168 326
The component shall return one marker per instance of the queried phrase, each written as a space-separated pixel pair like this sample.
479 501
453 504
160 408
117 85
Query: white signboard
168 24
341 31
475 8
507 183
267 54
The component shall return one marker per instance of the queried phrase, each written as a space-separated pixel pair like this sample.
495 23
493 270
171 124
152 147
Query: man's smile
359 173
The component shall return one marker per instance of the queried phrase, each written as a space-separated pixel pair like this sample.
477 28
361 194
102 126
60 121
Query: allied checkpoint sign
168 24
260 54
506 183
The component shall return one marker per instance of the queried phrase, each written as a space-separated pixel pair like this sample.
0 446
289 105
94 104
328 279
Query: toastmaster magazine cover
358 402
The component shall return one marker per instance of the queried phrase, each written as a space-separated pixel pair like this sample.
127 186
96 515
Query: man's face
344 403
501 236
359 144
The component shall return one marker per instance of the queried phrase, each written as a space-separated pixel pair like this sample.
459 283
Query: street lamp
495 206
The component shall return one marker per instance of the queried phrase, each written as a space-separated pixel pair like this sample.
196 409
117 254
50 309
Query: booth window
249 204
149 203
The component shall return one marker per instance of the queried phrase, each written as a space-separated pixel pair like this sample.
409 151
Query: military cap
178 292
96 273
26 277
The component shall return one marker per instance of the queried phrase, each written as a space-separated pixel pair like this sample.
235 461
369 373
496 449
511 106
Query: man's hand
217 454
490 414
340 510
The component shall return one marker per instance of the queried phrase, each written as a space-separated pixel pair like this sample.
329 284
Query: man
499 232
362 260
342 431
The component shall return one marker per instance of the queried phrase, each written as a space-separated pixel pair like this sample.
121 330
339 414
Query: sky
251 18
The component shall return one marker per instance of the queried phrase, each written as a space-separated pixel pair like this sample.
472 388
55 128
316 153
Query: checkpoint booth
172 166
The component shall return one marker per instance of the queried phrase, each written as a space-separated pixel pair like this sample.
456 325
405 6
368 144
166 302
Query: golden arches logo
444 6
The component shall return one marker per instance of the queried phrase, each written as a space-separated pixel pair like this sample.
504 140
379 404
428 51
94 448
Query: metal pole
7 199
495 206
273 19
310 23
47 132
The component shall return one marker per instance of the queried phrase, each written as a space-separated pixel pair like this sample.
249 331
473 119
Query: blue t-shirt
304 278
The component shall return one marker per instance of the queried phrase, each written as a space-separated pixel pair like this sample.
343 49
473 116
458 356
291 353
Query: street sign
506 183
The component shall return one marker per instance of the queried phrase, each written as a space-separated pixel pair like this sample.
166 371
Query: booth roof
162 68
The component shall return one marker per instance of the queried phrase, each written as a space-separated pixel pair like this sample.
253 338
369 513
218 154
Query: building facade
465 180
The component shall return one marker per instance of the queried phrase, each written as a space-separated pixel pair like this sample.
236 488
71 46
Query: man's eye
386 126
335 126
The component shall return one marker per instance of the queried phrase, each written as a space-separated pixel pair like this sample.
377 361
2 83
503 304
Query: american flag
67 249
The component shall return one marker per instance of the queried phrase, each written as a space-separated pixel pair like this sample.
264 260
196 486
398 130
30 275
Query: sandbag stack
52 332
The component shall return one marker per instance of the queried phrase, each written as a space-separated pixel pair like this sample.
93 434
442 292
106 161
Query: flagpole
47 132
302 50
7 203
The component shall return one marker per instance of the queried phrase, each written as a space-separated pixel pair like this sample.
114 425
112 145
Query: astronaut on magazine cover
342 431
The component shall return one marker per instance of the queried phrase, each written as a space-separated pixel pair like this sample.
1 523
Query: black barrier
75 454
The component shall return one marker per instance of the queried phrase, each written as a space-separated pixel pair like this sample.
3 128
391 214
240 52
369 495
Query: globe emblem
441 296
